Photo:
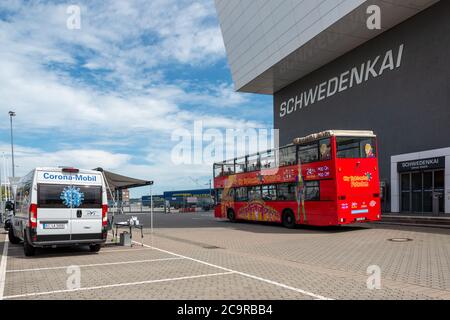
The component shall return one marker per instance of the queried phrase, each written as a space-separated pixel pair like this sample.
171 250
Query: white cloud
42 101
27 158
105 85
165 175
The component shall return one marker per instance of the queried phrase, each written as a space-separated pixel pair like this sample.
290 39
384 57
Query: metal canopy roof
118 182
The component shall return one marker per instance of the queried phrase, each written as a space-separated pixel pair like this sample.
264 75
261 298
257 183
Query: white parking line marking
116 285
95 265
123 250
91 253
3 267
317 296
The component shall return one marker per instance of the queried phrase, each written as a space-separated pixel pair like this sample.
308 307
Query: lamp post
11 115
210 191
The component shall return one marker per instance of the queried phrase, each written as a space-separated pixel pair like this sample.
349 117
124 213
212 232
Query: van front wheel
12 238
28 249
94 247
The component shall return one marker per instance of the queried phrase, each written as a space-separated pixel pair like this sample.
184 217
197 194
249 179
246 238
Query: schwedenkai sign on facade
424 164
348 79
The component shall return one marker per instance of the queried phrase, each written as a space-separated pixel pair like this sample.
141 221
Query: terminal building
181 199
328 68
189 198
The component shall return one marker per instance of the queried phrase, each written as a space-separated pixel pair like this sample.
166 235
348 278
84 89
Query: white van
60 207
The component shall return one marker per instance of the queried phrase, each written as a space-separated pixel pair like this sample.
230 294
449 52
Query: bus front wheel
288 219
231 216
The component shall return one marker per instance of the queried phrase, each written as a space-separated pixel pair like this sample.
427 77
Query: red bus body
349 192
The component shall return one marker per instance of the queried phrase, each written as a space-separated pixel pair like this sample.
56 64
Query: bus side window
241 194
269 193
312 191
254 193
288 156
308 153
286 192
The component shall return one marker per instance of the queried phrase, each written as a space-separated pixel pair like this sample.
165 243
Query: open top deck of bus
275 153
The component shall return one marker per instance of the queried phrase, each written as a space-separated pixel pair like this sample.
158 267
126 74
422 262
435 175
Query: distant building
125 195
189 198
158 200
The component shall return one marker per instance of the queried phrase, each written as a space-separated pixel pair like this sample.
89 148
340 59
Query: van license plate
54 226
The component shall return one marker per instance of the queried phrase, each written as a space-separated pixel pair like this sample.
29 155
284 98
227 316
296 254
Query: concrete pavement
194 256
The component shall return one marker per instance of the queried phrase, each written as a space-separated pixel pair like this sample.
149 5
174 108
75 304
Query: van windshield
69 196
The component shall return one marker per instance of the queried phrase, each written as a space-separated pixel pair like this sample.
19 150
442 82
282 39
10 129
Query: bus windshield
355 147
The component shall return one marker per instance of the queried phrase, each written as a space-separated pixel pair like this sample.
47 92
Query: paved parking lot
193 256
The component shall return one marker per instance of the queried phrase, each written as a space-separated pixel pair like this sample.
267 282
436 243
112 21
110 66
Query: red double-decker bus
339 182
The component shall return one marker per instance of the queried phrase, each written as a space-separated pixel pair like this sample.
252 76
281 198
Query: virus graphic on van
72 197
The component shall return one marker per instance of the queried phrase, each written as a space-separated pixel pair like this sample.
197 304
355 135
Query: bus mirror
9 205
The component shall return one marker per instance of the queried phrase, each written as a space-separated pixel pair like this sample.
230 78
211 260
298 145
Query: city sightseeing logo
72 197
359 181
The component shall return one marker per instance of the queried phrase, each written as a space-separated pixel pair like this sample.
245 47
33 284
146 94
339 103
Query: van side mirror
9 205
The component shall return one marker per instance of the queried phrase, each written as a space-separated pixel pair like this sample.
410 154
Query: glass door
439 188
416 190
405 186
428 192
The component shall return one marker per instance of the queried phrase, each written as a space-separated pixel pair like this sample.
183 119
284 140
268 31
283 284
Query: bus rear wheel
288 219
231 215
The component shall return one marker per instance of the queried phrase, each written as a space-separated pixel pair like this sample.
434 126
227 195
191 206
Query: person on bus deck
369 151
324 152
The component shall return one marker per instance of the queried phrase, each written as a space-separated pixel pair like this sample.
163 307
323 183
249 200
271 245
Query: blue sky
112 93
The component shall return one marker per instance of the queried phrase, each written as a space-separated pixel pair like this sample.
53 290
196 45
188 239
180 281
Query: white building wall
259 33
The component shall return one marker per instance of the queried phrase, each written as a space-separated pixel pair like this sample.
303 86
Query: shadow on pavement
207 220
